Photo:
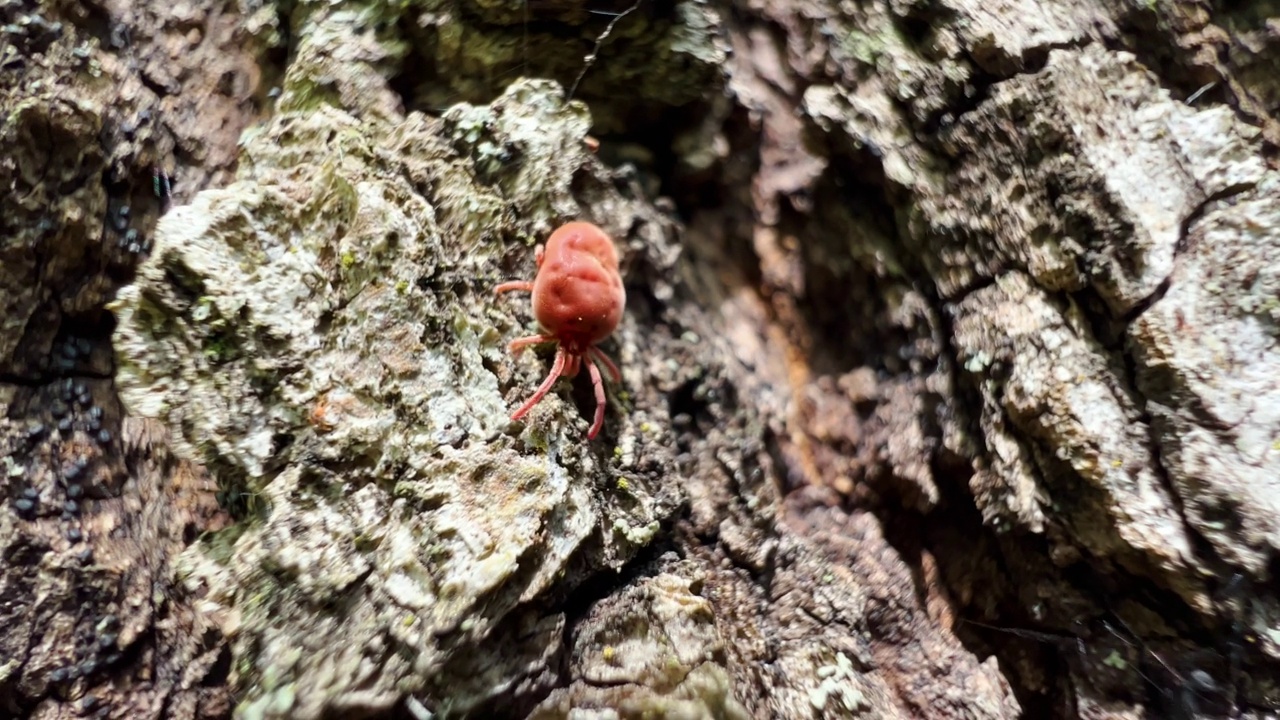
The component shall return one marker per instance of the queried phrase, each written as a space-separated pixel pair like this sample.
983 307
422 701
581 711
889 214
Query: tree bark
949 360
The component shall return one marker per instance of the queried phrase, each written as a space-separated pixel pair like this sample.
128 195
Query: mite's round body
578 295
578 300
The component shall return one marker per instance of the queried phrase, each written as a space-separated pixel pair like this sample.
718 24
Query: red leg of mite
519 344
599 355
525 285
599 386
545 387
572 365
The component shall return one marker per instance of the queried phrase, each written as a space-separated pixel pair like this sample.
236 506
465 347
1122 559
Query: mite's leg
598 383
599 355
572 366
519 344
525 285
545 387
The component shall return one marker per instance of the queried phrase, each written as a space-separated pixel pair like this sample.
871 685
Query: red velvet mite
577 299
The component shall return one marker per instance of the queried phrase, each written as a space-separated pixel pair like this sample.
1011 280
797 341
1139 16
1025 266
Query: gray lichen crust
1045 380
1060 404
323 334
1084 183
1208 362
651 650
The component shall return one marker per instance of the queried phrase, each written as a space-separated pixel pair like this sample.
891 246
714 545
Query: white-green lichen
316 334
838 690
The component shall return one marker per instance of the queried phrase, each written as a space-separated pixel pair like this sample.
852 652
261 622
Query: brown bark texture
950 364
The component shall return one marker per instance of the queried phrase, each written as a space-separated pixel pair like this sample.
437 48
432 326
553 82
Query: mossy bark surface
951 384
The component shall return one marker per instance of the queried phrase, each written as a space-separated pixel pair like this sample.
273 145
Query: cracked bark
949 363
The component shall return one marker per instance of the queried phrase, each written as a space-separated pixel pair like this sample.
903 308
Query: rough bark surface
949 365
